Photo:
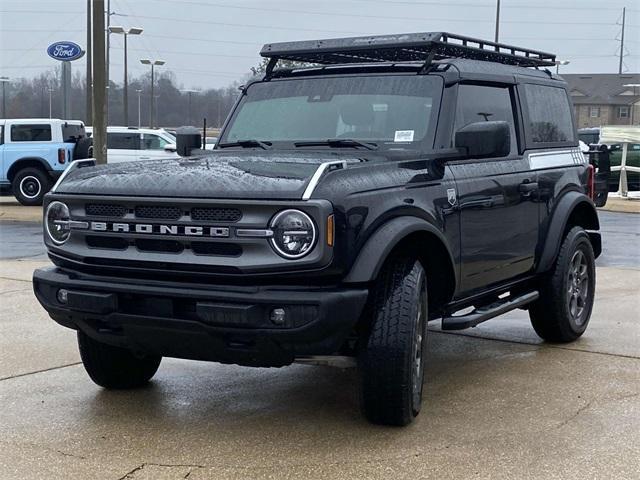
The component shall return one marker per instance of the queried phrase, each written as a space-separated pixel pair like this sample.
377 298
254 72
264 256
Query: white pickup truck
127 144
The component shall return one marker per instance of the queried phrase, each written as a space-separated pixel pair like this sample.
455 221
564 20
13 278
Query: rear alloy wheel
30 185
392 354
562 312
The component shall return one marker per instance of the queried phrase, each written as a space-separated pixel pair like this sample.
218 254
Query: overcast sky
211 43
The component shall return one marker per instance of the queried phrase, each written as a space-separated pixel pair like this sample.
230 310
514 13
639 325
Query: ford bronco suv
35 151
392 181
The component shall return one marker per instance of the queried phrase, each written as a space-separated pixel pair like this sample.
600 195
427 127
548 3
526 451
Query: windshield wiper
247 144
338 142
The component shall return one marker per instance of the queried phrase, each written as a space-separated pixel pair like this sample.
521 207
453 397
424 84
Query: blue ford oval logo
65 51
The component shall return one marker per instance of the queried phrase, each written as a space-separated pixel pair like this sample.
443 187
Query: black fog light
62 295
277 316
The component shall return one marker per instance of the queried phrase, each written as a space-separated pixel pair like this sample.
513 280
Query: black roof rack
408 47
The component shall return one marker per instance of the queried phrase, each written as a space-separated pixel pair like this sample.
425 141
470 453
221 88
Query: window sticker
403 136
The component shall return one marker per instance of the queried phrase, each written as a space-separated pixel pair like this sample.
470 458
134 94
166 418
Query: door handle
528 188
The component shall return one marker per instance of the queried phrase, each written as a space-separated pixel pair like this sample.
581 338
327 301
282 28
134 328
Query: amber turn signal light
330 230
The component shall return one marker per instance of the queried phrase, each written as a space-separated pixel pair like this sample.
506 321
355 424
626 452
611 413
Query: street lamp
125 95
153 63
635 100
189 92
4 81
561 62
139 91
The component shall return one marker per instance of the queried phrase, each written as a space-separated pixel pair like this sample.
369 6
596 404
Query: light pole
50 110
189 92
139 91
561 62
125 93
153 63
635 100
4 81
497 36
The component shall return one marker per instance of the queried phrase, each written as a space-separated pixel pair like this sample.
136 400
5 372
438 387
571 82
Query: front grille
158 212
107 243
216 248
105 210
162 246
210 214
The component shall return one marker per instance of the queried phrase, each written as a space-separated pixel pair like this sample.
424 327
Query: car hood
237 174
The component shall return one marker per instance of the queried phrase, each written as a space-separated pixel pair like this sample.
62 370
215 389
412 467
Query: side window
151 141
30 133
123 141
1 134
481 103
549 115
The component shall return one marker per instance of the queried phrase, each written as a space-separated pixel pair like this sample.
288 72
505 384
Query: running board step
487 312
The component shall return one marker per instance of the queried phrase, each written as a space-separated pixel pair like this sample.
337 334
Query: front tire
392 353
30 185
115 367
562 312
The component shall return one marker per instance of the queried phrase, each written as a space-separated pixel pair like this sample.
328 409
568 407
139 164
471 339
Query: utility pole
99 83
624 12
497 37
88 77
108 48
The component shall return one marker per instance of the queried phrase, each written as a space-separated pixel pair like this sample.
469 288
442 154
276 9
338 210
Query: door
496 196
122 146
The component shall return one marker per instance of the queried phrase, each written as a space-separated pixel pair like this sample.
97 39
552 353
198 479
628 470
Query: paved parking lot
498 404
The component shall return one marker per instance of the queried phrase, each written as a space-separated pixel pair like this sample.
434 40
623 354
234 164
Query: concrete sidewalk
499 404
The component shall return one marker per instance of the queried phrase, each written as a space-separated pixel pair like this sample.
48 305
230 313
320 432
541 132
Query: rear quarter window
31 133
548 118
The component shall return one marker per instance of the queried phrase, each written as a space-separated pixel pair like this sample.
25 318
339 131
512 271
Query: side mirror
170 147
187 139
484 139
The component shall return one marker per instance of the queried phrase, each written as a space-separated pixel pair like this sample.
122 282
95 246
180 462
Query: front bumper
228 324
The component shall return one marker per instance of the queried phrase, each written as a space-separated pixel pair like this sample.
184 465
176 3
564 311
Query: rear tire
392 354
30 184
115 367
562 312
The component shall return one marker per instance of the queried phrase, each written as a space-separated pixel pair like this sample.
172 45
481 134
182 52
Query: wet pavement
499 403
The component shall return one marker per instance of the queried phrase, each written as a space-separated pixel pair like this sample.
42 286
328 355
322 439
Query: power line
363 15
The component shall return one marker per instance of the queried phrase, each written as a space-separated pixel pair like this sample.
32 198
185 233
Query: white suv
126 144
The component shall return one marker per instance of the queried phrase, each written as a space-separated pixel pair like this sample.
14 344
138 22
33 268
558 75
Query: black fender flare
17 165
378 246
566 206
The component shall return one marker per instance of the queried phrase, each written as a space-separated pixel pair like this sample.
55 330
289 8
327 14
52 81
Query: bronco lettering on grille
157 229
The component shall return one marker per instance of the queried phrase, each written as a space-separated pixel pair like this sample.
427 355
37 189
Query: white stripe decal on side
555 159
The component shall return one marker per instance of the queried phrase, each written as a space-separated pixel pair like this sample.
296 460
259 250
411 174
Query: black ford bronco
391 181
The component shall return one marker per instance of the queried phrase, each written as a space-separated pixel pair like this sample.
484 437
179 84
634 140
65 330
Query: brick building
602 99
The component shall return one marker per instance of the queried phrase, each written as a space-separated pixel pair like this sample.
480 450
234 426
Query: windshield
393 111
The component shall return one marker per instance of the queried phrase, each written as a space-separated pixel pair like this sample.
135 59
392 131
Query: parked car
210 142
35 151
342 209
591 136
127 144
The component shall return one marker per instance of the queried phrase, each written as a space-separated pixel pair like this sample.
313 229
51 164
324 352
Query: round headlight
57 222
294 233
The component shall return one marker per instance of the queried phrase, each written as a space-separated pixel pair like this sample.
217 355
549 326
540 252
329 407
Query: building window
594 112
623 112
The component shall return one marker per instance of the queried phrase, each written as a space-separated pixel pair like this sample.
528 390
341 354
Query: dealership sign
65 51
